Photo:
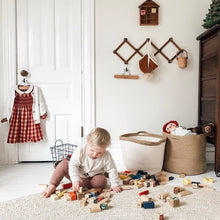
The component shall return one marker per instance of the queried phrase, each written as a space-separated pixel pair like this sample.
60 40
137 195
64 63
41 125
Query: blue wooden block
148 205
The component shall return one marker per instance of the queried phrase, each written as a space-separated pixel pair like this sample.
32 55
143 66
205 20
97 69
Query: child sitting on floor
87 165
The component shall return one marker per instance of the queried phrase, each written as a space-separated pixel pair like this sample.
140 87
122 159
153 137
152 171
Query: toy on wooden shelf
126 75
149 12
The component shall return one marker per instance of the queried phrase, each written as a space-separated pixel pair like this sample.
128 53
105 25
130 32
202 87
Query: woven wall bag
185 154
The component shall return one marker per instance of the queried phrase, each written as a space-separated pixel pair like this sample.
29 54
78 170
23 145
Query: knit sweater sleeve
111 169
74 165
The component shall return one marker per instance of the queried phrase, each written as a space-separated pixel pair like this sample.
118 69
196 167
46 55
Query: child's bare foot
48 191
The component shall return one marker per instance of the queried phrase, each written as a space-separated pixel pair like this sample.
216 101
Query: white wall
131 105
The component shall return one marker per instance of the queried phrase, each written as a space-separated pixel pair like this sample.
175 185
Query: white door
49 47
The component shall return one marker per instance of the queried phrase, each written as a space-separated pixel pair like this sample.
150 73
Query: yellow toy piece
206 180
186 181
122 177
61 194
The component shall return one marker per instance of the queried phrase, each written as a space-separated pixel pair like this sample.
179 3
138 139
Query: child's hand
75 186
116 189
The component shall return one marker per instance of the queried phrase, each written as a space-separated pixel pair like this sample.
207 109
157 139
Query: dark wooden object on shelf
149 12
209 85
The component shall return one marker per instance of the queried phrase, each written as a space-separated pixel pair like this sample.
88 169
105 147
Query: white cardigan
81 165
38 107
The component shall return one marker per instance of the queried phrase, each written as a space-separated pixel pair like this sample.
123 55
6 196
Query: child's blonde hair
99 137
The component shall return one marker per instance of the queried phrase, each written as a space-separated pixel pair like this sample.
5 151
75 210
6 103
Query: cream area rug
202 204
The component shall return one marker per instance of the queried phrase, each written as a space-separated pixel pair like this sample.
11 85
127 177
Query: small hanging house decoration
149 13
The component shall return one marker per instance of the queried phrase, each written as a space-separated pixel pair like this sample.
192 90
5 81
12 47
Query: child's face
95 151
170 127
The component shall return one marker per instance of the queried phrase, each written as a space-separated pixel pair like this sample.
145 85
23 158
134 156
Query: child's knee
98 181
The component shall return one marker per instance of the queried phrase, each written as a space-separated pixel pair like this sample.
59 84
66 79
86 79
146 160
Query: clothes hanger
24 85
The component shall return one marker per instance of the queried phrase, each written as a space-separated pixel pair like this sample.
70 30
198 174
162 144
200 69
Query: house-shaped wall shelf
149 13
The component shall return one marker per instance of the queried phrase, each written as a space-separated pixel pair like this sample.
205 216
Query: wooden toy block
123 177
67 197
186 182
126 181
148 205
62 193
99 198
162 183
163 195
182 175
83 202
139 203
184 193
174 202
139 186
159 216
144 192
58 191
126 187
163 179
152 183
80 189
94 208
161 173
80 195
99 190
103 201
54 197
66 185
145 198
206 180
195 186
73 195
91 200
177 189
131 182
43 186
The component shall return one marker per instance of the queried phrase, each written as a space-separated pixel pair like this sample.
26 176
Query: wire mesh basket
62 151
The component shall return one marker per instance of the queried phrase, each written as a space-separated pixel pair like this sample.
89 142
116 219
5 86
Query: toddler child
87 165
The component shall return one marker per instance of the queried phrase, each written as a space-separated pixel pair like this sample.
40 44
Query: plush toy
172 127
207 129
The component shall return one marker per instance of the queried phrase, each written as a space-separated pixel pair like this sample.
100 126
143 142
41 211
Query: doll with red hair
172 127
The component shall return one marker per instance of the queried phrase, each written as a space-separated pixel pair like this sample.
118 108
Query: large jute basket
185 154
143 151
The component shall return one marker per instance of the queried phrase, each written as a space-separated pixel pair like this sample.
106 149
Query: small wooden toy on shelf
149 13
126 75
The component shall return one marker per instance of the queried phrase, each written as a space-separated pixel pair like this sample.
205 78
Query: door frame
9 67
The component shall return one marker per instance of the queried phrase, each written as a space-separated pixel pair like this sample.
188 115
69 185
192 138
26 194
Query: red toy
66 185
143 193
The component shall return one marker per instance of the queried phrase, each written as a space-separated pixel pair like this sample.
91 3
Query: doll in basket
87 165
172 127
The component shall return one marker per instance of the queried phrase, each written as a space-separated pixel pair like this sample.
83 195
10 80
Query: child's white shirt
83 166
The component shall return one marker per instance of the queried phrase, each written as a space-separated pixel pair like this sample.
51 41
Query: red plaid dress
22 128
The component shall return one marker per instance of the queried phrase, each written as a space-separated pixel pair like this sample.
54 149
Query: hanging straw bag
148 63
143 151
182 61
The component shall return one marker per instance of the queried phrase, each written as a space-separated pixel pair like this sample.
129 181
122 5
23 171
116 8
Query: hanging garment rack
158 50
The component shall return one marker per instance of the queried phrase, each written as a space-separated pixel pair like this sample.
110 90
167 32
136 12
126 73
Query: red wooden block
66 185
73 195
143 193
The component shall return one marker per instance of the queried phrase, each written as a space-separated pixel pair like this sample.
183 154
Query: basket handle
181 51
57 141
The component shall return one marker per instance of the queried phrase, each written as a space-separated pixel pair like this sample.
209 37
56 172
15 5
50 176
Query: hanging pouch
148 63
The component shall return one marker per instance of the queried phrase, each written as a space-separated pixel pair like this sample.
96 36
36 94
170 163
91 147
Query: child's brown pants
62 170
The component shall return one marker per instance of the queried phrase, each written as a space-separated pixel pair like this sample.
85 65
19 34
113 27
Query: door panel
49 47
